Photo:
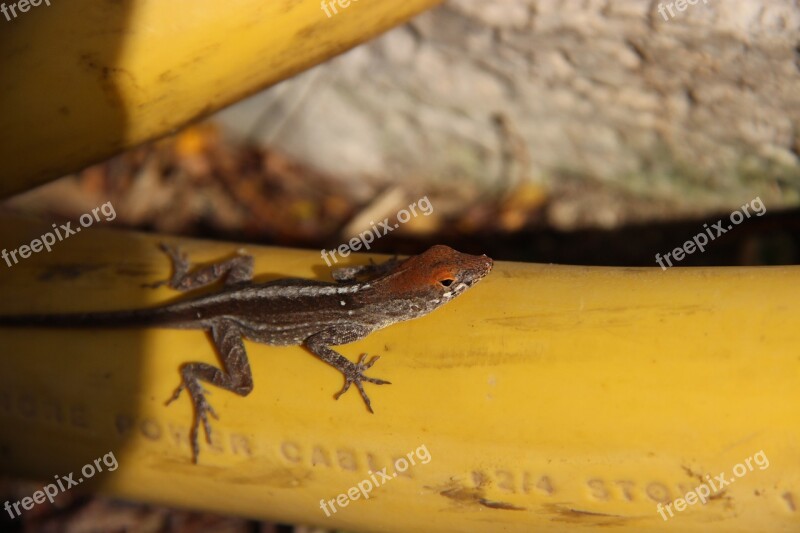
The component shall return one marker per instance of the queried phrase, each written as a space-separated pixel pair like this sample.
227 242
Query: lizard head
434 277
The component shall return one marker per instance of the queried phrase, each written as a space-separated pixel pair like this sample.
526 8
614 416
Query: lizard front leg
319 344
371 271
236 270
234 376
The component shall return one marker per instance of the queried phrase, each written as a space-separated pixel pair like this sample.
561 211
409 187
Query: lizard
289 311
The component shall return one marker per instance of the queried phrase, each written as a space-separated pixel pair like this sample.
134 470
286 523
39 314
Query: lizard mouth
486 265
481 272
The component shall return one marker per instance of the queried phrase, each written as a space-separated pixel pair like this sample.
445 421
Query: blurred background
577 131
589 132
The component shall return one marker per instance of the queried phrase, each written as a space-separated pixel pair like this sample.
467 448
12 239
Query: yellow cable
83 80
546 398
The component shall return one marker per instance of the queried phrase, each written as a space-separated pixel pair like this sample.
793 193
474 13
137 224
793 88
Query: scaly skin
314 314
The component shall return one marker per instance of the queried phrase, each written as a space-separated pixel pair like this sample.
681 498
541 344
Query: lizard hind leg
235 376
236 270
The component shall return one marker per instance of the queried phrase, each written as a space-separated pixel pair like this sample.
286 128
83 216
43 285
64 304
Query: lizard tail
159 316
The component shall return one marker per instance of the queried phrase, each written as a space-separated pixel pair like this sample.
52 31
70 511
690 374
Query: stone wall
700 108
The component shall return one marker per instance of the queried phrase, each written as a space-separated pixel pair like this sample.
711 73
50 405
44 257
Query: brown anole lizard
284 312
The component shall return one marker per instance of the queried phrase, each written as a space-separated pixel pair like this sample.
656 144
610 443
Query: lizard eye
446 282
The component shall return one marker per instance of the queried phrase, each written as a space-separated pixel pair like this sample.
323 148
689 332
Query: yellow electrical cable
82 80
547 398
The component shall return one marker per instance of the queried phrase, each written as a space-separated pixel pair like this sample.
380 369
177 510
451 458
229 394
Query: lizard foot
354 374
176 394
201 411
180 266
